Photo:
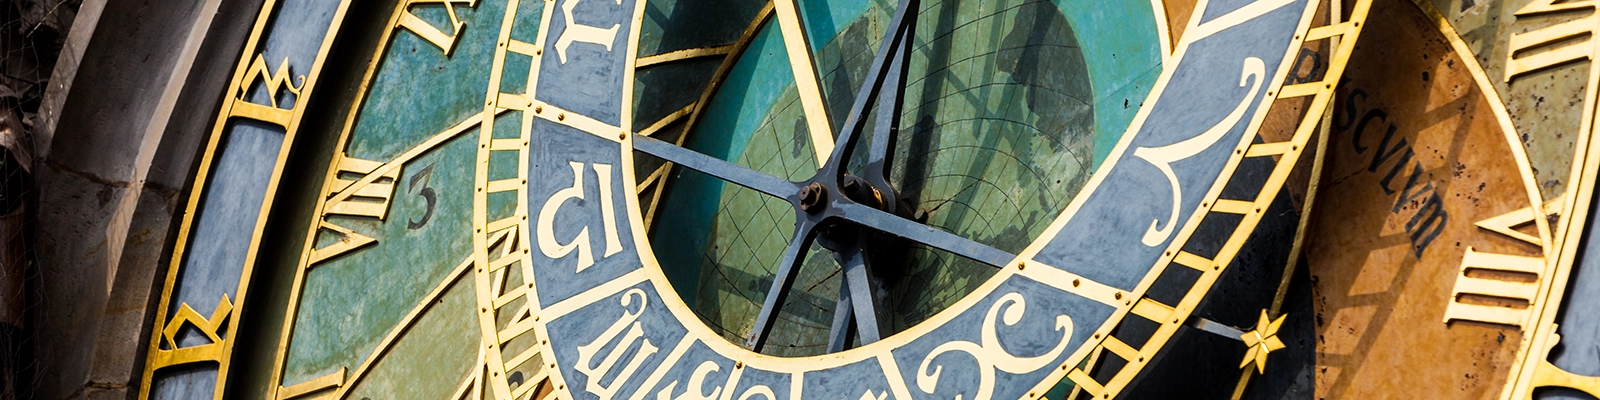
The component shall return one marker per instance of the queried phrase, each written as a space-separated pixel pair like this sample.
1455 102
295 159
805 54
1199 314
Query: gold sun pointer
1262 340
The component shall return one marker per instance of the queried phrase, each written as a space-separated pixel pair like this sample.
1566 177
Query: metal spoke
782 282
894 225
716 167
868 93
887 125
861 299
839 335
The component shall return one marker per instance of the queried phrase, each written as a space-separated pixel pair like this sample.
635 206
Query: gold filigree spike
1549 375
273 81
1262 340
211 327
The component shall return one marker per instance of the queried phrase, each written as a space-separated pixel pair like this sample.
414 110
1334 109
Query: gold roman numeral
1554 45
353 195
445 41
1496 286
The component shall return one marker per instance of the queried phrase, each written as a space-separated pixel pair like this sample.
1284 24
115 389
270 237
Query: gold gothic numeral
354 192
273 80
211 327
445 41
577 32
369 199
1555 40
630 322
1497 286
320 388
580 243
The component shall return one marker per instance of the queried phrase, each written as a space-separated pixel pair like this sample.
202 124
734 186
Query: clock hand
885 222
835 207
899 28
887 126
782 282
861 299
719 168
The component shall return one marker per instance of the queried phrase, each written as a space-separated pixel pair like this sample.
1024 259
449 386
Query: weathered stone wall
130 105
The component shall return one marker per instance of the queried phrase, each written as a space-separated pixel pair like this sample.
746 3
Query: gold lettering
580 243
211 327
348 240
577 32
354 195
696 388
635 332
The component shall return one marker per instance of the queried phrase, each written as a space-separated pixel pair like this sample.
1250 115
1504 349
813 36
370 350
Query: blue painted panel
1204 88
636 308
955 372
858 380
701 372
549 166
586 77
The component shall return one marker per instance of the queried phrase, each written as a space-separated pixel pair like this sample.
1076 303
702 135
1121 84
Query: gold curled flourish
991 354
1163 157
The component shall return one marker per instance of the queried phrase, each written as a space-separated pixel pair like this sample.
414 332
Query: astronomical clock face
697 199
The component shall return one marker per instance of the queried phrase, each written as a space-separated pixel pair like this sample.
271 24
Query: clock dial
621 199
615 330
999 189
1470 188
390 250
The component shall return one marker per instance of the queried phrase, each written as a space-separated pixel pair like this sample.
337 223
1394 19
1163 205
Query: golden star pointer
1262 340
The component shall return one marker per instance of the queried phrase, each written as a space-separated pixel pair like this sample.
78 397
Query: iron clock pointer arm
841 209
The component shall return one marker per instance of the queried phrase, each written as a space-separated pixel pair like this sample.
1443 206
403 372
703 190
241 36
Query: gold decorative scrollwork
1163 157
991 355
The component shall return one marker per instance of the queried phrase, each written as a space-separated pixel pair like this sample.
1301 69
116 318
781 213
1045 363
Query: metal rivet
1118 296
1076 282
536 110
541 51
1021 265
561 117
738 364
622 136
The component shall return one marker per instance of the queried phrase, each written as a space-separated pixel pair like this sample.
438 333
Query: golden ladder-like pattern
1171 317
510 353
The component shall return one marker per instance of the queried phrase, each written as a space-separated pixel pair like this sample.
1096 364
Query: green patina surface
350 303
1008 108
